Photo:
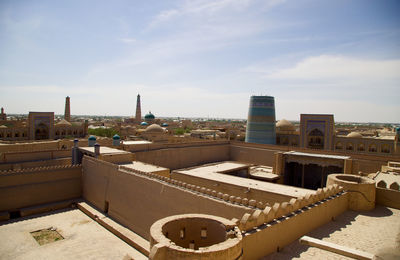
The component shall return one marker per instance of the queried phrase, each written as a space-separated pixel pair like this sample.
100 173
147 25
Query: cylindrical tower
67 112
138 117
261 120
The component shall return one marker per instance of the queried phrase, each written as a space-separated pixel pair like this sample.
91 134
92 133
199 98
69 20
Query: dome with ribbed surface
154 128
285 125
354 135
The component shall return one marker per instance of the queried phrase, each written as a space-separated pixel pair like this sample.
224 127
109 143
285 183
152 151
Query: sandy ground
83 238
376 232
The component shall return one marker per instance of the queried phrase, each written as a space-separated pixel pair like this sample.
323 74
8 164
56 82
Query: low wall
14 157
137 200
185 156
388 198
264 154
270 230
34 164
235 190
30 187
252 155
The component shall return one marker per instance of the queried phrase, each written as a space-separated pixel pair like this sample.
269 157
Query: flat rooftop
83 238
325 156
211 172
222 167
103 150
136 142
144 167
376 232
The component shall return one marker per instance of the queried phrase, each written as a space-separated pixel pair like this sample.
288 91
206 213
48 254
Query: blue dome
149 116
143 123
164 124
116 137
92 138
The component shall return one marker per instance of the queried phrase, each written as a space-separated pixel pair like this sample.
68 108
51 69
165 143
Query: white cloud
339 67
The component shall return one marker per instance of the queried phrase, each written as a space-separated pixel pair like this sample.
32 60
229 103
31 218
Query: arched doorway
42 132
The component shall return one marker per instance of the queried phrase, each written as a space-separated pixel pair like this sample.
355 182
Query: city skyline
202 58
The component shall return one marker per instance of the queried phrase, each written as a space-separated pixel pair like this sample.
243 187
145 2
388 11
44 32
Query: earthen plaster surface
144 167
103 150
376 232
208 172
83 239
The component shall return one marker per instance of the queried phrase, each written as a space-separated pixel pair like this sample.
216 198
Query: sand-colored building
196 200
318 132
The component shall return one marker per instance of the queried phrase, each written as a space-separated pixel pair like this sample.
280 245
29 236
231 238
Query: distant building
261 120
41 126
317 132
67 113
138 117
3 116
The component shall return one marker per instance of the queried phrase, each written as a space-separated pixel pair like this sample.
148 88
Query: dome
3 126
154 128
93 138
164 124
144 123
354 135
63 122
116 137
285 125
149 116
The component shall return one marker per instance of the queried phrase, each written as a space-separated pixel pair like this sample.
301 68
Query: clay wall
253 155
264 154
137 200
183 156
30 187
388 198
273 228
235 190
15 157
34 164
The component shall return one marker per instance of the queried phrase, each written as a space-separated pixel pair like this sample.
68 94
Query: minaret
138 117
3 116
67 113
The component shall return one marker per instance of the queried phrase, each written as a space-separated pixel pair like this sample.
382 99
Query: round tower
261 120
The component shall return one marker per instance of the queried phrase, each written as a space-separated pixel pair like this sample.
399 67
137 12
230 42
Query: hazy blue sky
202 57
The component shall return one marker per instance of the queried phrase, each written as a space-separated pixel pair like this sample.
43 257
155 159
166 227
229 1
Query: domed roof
116 137
149 116
92 137
154 128
354 135
64 122
285 125
164 124
3 126
144 123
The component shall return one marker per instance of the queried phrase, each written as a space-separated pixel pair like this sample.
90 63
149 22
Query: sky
202 58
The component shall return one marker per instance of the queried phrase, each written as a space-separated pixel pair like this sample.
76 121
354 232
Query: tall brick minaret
138 117
67 113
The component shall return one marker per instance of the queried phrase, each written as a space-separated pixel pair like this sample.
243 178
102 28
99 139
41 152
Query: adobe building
197 200
317 132
41 126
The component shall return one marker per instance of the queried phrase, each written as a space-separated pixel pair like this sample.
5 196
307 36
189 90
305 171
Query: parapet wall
264 154
258 195
26 156
183 155
269 230
138 199
35 186
34 164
